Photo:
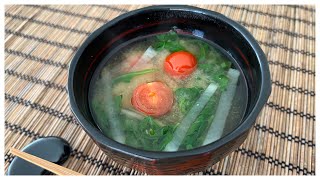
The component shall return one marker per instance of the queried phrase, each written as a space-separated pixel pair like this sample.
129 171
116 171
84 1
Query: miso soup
167 92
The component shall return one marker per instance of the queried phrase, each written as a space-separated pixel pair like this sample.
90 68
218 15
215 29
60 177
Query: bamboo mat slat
40 41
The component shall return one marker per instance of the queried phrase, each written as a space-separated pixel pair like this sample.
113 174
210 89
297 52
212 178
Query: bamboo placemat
40 41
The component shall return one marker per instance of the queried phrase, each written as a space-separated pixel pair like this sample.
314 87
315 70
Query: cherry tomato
154 99
180 64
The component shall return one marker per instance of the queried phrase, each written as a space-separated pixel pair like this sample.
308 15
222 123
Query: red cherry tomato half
154 99
180 64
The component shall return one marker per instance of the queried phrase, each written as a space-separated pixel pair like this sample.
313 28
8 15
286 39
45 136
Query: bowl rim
98 137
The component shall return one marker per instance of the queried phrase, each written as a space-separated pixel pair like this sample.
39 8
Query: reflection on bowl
209 25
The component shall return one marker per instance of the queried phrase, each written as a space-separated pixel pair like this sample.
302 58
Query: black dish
51 148
229 35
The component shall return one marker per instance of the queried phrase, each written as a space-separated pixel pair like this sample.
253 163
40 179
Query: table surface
40 41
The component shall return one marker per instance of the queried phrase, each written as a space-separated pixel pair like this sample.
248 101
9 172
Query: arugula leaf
128 77
186 97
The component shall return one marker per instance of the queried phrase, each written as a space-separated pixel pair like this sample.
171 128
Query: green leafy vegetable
216 72
215 130
199 128
202 50
221 78
206 67
225 65
186 97
190 118
210 61
117 102
169 41
128 77
101 116
147 134
171 35
101 113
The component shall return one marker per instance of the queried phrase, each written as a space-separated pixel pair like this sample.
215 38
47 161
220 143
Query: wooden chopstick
56 169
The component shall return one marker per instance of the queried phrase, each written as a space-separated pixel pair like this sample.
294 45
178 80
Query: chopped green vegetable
147 134
171 35
225 65
128 77
103 114
199 128
190 117
210 61
221 78
117 102
206 67
216 74
202 50
169 41
186 97
216 129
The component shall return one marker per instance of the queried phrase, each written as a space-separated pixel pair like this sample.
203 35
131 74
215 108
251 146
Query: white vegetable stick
182 129
148 54
216 129
145 58
115 127
132 114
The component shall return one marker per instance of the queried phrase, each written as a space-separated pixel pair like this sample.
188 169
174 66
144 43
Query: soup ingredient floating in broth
199 127
147 134
169 41
113 110
144 59
186 97
127 77
154 99
182 129
216 128
180 64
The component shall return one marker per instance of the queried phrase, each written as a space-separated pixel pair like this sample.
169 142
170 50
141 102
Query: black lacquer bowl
215 27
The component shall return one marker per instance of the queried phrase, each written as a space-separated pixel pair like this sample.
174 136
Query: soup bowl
209 25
